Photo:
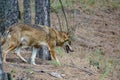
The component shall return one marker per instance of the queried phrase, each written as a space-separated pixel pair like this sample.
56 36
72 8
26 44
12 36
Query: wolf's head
65 41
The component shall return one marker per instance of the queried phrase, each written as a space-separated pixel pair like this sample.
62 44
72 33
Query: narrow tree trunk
3 76
11 12
42 10
39 15
2 16
44 53
27 11
1 69
47 12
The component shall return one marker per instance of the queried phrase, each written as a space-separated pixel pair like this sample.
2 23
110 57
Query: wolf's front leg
53 54
34 53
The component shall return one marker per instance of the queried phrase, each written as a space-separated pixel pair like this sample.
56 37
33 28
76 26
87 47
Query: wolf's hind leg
18 54
10 48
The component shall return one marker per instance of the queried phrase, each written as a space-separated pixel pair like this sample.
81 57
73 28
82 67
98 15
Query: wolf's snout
69 48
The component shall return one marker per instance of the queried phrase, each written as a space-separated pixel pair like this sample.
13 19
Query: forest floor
96 56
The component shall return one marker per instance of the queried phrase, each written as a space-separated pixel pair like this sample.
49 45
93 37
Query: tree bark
47 12
44 53
2 16
3 76
1 68
11 12
27 11
42 10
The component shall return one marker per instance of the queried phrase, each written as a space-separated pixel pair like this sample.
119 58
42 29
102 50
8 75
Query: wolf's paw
58 62
33 63
4 61
25 60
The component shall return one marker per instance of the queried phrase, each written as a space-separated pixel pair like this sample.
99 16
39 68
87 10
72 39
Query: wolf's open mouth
69 49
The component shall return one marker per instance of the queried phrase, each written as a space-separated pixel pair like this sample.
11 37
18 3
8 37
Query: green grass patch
66 3
103 63
54 63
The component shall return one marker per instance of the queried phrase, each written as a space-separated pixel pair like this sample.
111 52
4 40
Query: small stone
55 74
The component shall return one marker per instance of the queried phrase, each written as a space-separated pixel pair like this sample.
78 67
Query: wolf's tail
3 40
4 37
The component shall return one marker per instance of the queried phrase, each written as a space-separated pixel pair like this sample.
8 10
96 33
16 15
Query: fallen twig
83 69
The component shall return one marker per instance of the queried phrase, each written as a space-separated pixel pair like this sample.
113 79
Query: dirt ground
97 33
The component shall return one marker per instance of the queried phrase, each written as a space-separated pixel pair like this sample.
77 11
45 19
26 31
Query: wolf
21 35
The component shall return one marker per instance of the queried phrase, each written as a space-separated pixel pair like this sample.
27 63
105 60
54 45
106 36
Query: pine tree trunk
42 10
2 16
11 12
39 15
3 76
1 69
8 16
46 12
27 11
